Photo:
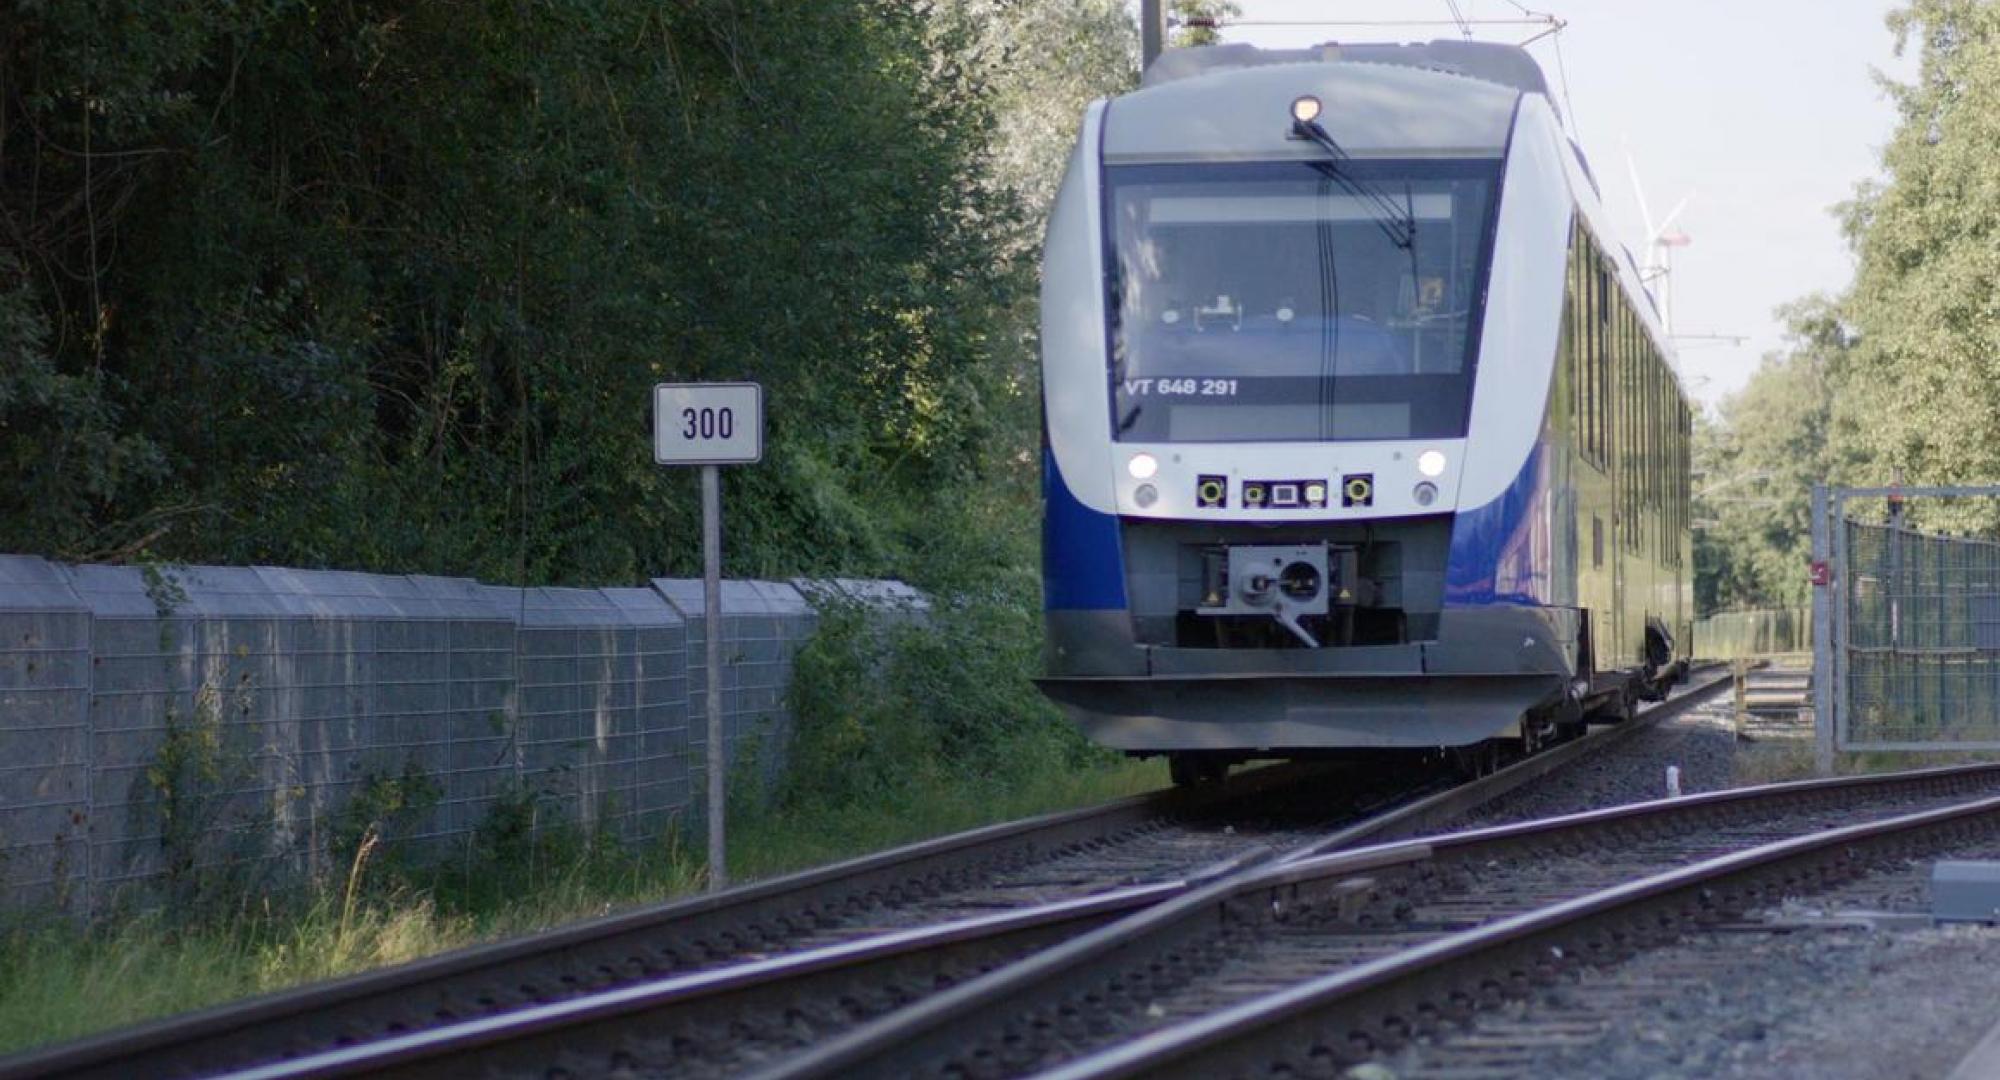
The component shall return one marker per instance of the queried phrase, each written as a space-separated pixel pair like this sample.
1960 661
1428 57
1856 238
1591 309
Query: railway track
1154 987
1570 1029
1325 1024
741 1017
1157 838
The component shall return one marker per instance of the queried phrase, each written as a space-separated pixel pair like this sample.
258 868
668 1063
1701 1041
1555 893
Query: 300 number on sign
708 423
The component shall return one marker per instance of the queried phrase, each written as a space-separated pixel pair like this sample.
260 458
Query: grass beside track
60 981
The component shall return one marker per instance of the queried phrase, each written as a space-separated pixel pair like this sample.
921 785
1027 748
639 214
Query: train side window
1607 300
1622 431
1675 489
1593 349
1586 344
1572 349
1642 377
1684 473
1654 420
1634 425
1674 500
1637 414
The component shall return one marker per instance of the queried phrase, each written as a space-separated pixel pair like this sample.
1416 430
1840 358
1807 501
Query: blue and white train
1360 435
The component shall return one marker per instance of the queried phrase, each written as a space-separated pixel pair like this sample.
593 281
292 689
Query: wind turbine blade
1638 189
1674 213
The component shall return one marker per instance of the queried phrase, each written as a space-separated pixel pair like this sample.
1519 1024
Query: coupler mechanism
1285 582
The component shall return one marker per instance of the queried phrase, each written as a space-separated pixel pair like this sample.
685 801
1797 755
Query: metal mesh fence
1921 641
1731 635
169 723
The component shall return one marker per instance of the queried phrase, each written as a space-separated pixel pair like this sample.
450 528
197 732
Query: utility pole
1152 32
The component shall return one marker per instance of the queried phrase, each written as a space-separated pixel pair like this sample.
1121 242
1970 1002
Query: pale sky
1764 111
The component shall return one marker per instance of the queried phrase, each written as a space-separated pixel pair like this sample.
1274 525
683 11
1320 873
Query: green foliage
60 444
189 800
884 708
1900 377
1756 465
510 834
1925 393
61 980
381 808
383 285
1041 63
1209 12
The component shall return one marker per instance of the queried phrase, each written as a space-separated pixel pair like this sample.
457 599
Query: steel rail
1436 811
373 1006
1174 937
1343 1017
681 935
526 1040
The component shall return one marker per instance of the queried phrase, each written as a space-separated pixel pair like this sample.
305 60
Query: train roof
1243 111
1506 65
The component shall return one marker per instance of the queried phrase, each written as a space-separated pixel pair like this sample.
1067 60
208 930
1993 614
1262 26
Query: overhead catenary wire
1544 21
1562 72
1464 29
1555 26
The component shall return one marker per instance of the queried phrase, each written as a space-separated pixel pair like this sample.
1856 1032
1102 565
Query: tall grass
59 981
903 732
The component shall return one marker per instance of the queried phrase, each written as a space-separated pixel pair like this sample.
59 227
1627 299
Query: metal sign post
710 425
1152 32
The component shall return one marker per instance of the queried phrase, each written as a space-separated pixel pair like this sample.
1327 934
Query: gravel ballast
1700 743
1815 988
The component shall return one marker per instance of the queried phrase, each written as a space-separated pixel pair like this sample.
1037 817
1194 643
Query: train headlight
1146 495
1425 494
1357 489
1143 466
1431 463
1305 109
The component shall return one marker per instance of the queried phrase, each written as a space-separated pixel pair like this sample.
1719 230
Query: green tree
383 284
1197 20
1042 62
1923 393
1756 464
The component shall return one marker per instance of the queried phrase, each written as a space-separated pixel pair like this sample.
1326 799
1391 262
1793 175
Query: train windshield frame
1271 302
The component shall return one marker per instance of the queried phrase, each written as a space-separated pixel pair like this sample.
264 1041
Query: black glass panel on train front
1273 302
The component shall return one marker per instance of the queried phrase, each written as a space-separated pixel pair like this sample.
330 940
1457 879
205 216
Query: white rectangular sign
708 423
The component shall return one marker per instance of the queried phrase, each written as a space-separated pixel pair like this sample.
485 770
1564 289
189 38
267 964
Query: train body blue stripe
1503 552
1083 564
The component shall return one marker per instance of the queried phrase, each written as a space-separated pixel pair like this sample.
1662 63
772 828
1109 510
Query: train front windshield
1288 303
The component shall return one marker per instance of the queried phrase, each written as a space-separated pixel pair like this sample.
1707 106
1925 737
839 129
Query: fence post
1740 670
1825 583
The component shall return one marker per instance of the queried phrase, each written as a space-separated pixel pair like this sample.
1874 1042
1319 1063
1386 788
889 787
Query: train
1360 432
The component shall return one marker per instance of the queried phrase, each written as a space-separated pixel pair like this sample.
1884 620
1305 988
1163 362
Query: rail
1114 978
676 1010
1341 1018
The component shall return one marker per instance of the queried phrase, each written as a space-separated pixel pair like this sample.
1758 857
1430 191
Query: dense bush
383 284
936 703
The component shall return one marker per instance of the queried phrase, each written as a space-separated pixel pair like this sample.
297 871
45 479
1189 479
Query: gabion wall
159 721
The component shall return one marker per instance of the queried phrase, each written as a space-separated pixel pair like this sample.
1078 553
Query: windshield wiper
1125 422
1398 223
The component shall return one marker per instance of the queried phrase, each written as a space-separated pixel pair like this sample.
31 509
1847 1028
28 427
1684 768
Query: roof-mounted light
1305 109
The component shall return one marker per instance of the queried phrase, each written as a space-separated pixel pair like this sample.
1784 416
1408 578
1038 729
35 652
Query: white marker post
710 424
